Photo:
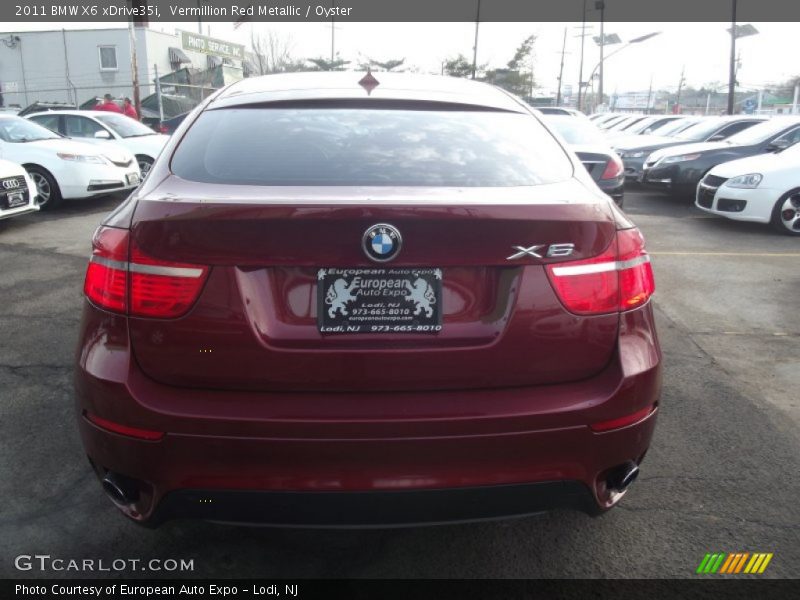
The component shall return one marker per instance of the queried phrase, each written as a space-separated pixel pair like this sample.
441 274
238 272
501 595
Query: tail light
619 279
163 128
614 168
123 279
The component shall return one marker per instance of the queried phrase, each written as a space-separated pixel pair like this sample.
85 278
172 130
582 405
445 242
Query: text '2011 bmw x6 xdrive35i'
366 300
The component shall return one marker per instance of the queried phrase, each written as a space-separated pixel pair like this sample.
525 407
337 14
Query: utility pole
532 76
561 69
649 95
158 94
680 87
134 69
601 5
333 32
199 19
794 101
732 73
583 40
475 47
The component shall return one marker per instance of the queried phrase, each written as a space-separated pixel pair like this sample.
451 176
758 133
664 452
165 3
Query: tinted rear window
369 147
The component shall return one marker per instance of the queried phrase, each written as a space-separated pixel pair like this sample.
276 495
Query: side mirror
102 135
717 137
778 145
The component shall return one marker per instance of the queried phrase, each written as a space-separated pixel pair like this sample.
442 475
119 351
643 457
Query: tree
367 64
518 76
387 65
323 64
272 53
459 66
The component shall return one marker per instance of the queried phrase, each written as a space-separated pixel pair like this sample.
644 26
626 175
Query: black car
680 169
593 150
709 129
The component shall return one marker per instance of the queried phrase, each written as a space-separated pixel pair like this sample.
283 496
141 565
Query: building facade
76 65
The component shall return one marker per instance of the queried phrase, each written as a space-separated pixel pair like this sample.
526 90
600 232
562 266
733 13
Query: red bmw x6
348 299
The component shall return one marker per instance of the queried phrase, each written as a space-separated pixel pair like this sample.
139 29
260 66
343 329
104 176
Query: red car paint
241 391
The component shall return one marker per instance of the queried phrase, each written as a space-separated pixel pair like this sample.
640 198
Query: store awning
178 56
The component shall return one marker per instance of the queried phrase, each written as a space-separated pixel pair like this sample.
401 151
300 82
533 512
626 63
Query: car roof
344 85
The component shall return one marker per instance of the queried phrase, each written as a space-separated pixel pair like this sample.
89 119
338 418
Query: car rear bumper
376 508
294 459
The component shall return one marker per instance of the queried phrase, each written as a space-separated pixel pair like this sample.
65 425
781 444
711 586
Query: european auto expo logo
734 563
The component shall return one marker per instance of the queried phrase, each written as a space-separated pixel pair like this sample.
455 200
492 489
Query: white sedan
102 127
763 189
17 191
62 168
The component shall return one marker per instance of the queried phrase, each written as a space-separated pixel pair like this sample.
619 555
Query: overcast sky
703 49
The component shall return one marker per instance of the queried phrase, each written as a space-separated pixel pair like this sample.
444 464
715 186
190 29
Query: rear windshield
369 147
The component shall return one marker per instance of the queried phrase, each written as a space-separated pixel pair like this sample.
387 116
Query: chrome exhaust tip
622 476
122 490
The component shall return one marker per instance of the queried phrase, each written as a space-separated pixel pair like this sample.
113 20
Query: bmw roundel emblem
382 242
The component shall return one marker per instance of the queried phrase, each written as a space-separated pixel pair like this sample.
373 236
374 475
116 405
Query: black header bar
115 11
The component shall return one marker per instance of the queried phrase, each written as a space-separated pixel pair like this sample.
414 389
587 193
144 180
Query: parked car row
742 167
58 155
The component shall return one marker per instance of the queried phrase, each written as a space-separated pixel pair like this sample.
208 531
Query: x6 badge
554 250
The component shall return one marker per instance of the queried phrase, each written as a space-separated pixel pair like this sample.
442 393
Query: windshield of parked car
674 127
640 126
19 130
322 146
576 131
124 126
700 132
762 131
630 125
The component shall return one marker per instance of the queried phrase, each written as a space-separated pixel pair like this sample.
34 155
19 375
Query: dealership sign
207 45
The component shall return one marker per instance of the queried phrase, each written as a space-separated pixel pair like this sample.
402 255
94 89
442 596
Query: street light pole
732 73
601 5
134 69
583 39
561 69
637 40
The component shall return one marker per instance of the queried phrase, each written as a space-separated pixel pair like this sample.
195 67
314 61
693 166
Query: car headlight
749 181
84 158
633 154
668 160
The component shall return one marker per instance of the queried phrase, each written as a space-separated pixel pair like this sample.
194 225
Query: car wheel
49 194
786 213
145 162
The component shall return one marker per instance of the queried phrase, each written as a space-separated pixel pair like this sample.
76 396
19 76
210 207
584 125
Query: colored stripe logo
734 563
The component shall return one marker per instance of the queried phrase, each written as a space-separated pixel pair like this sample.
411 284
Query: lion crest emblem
338 296
421 293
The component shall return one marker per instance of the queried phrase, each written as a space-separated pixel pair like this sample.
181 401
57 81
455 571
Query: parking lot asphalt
721 475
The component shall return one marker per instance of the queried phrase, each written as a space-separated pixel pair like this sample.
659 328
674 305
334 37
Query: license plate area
15 200
379 300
